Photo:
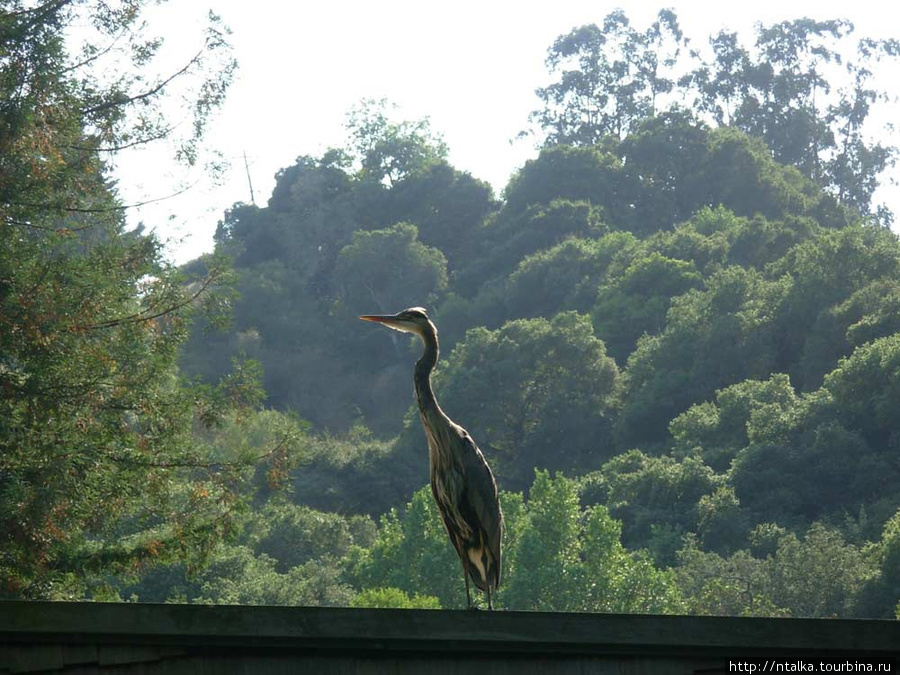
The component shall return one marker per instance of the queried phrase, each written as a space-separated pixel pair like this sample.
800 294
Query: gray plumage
461 480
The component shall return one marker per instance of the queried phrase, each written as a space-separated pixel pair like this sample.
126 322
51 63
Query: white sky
472 67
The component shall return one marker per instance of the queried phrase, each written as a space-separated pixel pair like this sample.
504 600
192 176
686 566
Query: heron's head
413 320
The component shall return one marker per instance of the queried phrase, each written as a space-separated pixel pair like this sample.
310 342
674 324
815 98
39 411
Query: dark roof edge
393 630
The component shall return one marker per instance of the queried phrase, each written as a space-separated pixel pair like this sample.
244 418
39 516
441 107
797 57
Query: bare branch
123 100
99 54
140 317
105 209
116 148
45 228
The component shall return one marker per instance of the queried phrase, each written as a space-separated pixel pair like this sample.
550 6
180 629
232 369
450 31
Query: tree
100 468
293 535
862 388
826 270
712 338
663 159
610 77
238 577
412 554
389 151
804 89
512 236
555 558
655 496
713 585
534 393
394 598
619 580
869 313
820 576
565 276
573 560
718 431
447 206
637 301
881 599
782 90
816 576
827 448
382 270
573 173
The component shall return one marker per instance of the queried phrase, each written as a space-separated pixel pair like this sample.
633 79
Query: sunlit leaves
556 557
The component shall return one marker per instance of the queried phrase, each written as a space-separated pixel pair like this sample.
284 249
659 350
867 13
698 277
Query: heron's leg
466 577
488 591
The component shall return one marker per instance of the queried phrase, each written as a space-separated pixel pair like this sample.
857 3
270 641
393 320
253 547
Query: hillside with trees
675 335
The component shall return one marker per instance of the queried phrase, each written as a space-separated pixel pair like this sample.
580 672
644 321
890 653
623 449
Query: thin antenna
249 182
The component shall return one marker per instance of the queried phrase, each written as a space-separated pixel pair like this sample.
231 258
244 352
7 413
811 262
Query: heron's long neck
422 375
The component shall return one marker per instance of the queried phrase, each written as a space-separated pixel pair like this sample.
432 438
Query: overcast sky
471 67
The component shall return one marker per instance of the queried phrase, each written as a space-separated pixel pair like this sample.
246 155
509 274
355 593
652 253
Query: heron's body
461 480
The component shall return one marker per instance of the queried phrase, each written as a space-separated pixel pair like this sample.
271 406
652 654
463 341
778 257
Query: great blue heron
461 480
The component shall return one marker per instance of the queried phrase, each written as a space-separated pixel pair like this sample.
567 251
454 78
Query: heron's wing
480 495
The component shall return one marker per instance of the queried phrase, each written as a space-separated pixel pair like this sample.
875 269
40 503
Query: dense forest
675 335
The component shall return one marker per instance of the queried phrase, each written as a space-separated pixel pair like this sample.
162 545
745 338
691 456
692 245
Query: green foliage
357 473
864 387
447 206
567 559
238 577
881 596
817 576
718 431
565 276
564 172
389 151
738 455
738 585
413 555
664 159
712 338
293 535
803 89
636 302
656 495
609 78
511 238
101 470
721 524
547 556
393 598
556 557
389 268
530 386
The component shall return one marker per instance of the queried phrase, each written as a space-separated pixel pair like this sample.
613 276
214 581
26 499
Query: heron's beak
389 320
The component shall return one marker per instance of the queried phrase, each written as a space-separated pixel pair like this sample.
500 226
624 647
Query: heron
462 483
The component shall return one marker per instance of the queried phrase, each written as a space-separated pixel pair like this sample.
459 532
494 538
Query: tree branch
185 464
105 209
123 100
140 317
100 53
